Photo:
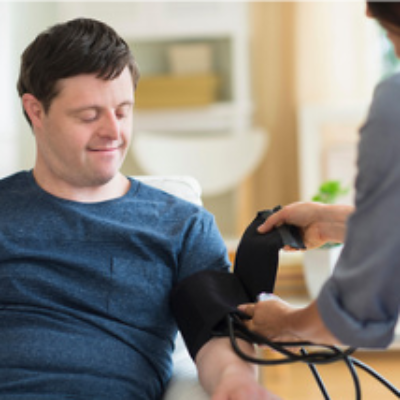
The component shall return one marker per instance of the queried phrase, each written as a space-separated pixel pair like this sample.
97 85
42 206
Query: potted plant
319 263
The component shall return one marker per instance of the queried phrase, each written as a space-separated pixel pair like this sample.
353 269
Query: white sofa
184 384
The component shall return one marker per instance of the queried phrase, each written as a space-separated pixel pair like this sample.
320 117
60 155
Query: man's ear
33 108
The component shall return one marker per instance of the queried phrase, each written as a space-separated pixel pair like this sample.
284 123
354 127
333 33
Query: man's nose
111 127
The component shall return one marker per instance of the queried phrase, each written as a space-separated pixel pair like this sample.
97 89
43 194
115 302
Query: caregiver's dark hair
387 11
80 46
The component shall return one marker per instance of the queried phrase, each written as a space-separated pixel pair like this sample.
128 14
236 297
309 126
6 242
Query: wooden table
295 381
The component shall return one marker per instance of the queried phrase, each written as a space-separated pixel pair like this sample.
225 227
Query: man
359 305
88 257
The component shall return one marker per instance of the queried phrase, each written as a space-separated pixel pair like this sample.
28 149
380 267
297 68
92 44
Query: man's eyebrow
129 103
96 107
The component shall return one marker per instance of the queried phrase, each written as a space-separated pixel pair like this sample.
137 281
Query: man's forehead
85 87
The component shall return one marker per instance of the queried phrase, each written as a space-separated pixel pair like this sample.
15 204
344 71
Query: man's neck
117 187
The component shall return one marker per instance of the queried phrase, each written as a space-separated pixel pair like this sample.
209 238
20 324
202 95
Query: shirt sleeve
203 247
360 302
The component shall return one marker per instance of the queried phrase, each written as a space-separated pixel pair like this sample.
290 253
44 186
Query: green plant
330 191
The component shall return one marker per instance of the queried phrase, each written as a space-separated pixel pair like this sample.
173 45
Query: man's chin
103 179
98 178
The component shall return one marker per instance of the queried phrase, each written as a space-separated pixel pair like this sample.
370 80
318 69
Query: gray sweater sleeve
360 302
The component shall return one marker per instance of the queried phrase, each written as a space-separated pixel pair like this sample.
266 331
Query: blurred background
260 101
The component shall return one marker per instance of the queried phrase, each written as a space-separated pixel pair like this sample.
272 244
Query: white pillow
185 187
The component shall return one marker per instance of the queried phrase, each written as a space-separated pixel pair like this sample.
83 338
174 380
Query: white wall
20 22
8 132
337 52
338 63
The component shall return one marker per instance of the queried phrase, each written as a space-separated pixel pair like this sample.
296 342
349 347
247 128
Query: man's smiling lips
106 149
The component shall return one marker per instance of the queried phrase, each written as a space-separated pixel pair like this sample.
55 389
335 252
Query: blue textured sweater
84 289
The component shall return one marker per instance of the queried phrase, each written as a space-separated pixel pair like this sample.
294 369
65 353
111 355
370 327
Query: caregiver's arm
279 321
319 223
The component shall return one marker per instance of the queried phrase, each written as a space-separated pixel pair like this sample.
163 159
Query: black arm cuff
202 301
200 304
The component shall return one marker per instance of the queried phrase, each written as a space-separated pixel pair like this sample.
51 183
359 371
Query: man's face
83 138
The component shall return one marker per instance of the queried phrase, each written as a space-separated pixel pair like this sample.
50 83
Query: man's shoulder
170 210
161 197
15 181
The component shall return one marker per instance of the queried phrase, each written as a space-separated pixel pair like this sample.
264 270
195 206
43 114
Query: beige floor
295 381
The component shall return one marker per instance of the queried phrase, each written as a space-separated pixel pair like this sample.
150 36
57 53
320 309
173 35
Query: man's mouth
106 149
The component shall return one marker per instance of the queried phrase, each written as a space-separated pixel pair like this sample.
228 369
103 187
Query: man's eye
123 113
88 118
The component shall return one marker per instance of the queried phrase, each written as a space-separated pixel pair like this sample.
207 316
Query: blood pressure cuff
201 302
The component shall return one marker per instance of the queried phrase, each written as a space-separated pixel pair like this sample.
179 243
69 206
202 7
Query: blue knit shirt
84 289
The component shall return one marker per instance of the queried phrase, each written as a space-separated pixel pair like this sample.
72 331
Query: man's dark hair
385 11
80 46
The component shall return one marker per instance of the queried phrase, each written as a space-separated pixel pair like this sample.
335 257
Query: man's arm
226 376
